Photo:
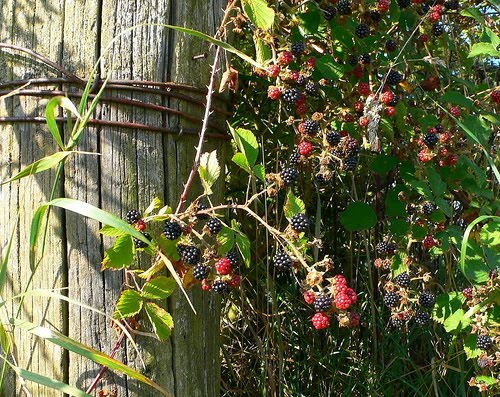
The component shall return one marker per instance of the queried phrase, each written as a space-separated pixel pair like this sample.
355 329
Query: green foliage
358 216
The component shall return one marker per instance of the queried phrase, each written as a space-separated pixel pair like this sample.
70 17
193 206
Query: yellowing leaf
160 319
209 170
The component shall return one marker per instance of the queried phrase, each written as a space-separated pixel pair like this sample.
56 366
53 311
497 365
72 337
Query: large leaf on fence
358 216
128 305
86 351
40 165
81 208
160 287
50 115
259 13
160 319
120 255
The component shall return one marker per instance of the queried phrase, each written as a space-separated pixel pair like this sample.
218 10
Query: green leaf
399 264
457 98
209 170
444 206
247 144
128 305
120 255
50 115
393 205
226 239
487 380
111 231
358 216
446 305
168 247
240 160
160 319
483 49
436 183
470 347
160 287
399 227
383 163
309 21
456 322
40 165
260 172
293 205
492 36
475 269
155 203
259 13
243 244
473 12
79 348
490 234
330 69
262 51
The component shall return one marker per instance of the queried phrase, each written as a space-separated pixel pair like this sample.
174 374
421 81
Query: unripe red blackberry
323 303
403 280
383 5
342 301
364 89
390 111
358 106
352 146
305 148
353 296
391 299
362 31
282 261
387 97
320 321
484 342
273 70
427 299
468 292
344 7
422 318
273 92
141 244
172 230
235 281
333 138
309 296
363 121
220 287
495 96
455 111
206 285
300 223
289 175
201 272
223 266
133 216
429 242
285 58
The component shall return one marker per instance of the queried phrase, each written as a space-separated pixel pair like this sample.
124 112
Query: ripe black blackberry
382 248
214 226
365 58
172 230
133 216
220 287
289 175
321 180
403 280
427 299
300 223
452 4
301 80
294 158
422 318
424 8
394 77
202 207
282 260
352 146
189 253
391 45
428 208
350 163
374 16
298 48
201 272
291 95
344 7
311 126
362 31
312 88
353 60
391 299
396 322
430 139
234 258
394 101
329 12
333 138
437 29
323 303
141 244
439 128
484 342
404 3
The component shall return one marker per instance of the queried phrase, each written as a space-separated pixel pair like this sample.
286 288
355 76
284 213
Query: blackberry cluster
323 303
298 48
427 299
396 322
294 158
391 299
430 140
391 45
484 342
428 208
437 29
365 59
362 31
202 207
289 175
333 138
394 77
291 95
201 272
312 88
214 226
189 253
350 163
282 260
344 7
329 13
300 223
220 287
234 258
422 318
404 3
403 280
141 244
172 230
311 126
133 216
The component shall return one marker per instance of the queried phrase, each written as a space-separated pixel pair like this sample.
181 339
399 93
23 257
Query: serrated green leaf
243 244
260 172
457 98
247 144
120 255
262 51
446 305
155 203
383 163
209 170
483 49
259 13
436 183
487 380
160 319
490 234
293 206
128 305
399 227
399 264
456 322
358 216
329 69
240 160
309 21
473 12
226 239
160 287
445 206
470 347
111 231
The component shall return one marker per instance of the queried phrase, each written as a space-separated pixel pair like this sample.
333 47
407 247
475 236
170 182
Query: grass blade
50 115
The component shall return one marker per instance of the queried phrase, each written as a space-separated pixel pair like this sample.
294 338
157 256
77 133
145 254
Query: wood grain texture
133 167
